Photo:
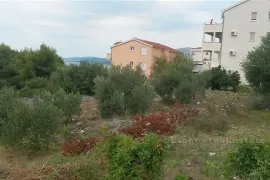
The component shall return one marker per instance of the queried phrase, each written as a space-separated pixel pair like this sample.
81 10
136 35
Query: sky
89 28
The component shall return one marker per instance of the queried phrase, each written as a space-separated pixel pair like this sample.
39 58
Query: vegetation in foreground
211 135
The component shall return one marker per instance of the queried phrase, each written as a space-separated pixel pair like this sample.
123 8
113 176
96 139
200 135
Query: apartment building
196 55
229 42
139 52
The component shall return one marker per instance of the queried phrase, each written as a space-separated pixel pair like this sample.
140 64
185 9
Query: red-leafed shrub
78 146
163 123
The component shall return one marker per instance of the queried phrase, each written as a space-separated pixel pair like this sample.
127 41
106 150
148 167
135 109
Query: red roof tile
158 46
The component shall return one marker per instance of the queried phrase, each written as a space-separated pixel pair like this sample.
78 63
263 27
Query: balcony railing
213 27
211 46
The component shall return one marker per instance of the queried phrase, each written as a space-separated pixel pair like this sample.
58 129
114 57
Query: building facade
196 55
243 25
138 52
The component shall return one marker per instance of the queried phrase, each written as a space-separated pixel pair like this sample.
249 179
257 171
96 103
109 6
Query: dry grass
225 117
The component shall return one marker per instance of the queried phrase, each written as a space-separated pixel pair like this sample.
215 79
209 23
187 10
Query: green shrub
244 89
249 160
216 169
256 66
180 177
174 80
8 100
259 101
69 104
31 125
34 86
135 159
77 78
221 79
124 90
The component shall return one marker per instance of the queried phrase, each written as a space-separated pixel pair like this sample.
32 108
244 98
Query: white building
241 30
196 55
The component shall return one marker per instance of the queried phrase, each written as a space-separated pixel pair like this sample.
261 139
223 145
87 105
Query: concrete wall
239 19
196 54
159 53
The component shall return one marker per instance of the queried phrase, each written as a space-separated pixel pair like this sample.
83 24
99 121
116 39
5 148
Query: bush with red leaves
163 123
75 147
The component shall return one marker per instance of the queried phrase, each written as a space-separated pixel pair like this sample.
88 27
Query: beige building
139 52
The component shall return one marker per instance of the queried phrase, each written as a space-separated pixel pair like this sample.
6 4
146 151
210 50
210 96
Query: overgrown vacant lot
223 120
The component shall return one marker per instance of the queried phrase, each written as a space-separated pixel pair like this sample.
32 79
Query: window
269 16
252 36
131 63
144 51
143 66
132 48
254 16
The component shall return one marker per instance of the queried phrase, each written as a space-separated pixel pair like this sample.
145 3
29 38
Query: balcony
213 27
211 46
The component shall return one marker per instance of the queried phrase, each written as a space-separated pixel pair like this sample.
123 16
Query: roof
233 6
148 43
196 48
119 42
158 46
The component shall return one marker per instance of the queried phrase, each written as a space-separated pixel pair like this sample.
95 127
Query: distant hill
184 50
77 60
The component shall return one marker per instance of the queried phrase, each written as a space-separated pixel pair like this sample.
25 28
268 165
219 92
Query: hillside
184 50
76 60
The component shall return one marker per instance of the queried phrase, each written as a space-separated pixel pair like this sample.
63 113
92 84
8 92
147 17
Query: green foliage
6 68
33 123
216 169
259 101
223 80
19 67
47 61
34 86
78 78
244 89
135 159
180 177
8 100
256 66
250 160
69 104
174 80
124 90
29 124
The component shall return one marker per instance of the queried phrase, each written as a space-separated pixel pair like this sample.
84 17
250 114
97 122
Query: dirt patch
89 108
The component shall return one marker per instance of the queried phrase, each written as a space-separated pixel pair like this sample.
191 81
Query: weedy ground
225 118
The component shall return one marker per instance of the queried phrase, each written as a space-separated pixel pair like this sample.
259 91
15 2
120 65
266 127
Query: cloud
80 28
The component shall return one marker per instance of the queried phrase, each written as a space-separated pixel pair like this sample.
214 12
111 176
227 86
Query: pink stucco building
139 52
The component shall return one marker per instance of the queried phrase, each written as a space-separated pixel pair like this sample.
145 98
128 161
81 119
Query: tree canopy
18 67
257 66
